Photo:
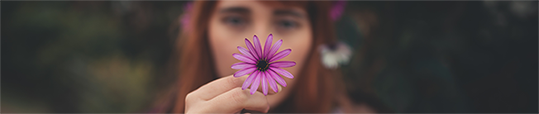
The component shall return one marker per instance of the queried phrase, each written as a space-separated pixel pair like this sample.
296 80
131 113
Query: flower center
262 65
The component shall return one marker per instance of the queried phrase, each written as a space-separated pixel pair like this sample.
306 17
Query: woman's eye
235 21
287 24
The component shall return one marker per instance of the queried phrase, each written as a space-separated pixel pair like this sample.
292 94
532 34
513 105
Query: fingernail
279 88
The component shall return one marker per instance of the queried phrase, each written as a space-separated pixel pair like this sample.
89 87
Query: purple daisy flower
262 65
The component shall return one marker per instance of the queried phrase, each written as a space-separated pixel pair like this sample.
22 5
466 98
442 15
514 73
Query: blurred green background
84 56
114 56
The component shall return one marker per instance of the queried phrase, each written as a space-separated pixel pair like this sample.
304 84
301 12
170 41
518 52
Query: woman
218 27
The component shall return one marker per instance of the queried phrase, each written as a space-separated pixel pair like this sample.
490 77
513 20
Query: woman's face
233 21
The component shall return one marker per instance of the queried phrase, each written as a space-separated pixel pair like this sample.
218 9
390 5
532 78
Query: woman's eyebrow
288 13
241 10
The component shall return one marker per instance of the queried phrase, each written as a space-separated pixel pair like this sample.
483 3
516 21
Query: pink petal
264 83
275 48
277 78
282 64
267 46
251 48
281 55
254 87
272 83
282 72
243 58
244 72
246 52
242 65
258 48
249 80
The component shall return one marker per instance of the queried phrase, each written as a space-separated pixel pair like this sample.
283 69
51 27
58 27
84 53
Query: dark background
408 56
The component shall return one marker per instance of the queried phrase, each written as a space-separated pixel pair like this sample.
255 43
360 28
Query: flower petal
242 65
271 82
246 52
243 58
282 72
281 55
249 80
274 48
282 64
267 46
277 77
251 48
258 47
264 83
254 87
244 72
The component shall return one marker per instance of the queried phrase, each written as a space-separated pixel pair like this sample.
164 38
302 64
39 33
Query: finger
217 87
222 85
235 100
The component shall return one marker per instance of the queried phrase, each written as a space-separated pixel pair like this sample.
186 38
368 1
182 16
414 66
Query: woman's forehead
274 6
284 4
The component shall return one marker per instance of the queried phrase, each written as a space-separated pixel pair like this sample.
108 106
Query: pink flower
262 64
185 18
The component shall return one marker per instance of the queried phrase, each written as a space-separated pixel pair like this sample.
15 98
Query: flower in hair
185 18
337 10
262 65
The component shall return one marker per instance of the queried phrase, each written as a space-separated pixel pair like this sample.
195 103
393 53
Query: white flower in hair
334 55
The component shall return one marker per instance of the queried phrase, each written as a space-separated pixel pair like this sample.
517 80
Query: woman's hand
225 96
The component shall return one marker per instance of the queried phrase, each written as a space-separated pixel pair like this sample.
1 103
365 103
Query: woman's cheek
222 48
300 48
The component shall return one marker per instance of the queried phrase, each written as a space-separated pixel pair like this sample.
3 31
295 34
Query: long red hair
316 86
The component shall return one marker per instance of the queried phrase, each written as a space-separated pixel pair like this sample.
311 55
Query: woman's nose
263 33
